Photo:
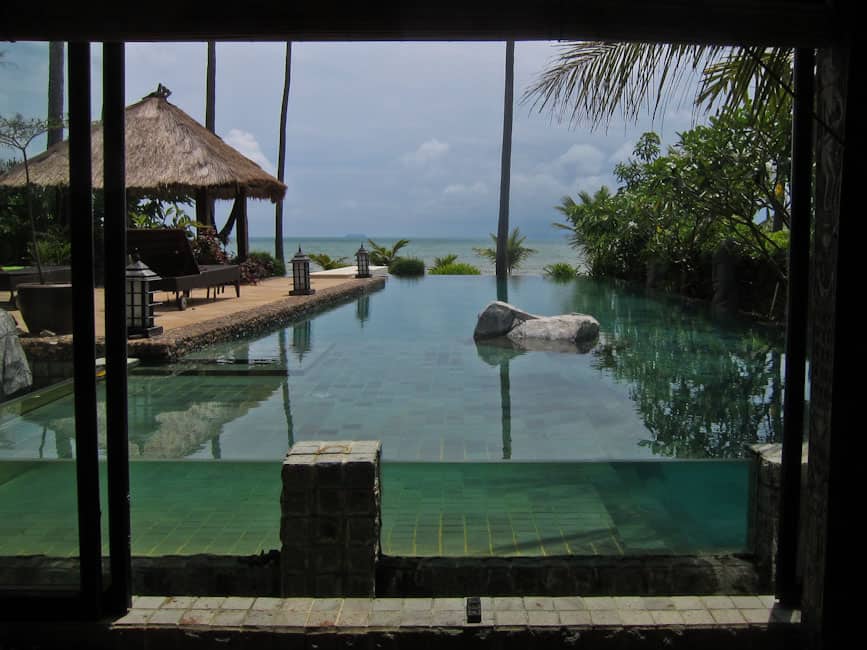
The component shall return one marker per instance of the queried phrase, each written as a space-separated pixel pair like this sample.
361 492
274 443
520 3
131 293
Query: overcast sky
385 139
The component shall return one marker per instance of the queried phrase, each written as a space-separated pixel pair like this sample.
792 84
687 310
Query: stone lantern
362 258
140 299
301 275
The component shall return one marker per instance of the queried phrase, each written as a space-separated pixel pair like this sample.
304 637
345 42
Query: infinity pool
665 383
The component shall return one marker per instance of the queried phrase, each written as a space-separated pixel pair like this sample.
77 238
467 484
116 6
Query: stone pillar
330 521
765 509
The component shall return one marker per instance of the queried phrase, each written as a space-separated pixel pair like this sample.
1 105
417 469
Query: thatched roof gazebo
168 155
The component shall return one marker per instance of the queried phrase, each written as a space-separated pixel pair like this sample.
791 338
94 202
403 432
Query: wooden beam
804 23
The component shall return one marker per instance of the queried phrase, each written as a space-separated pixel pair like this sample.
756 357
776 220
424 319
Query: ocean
548 251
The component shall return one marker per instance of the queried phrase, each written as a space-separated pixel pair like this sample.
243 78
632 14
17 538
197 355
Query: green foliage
440 262
591 82
153 213
455 268
274 266
516 252
384 256
674 210
207 247
406 267
260 265
18 133
54 248
560 271
326 262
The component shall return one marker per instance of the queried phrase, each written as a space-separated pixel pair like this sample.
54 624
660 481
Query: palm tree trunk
505 163
281 160
506 409
55 92
210 124
55 112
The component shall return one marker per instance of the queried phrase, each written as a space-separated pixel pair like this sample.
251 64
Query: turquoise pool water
477 440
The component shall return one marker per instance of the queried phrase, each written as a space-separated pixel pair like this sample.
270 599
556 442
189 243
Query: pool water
486 450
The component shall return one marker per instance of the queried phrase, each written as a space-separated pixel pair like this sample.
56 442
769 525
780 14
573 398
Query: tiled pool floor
449 509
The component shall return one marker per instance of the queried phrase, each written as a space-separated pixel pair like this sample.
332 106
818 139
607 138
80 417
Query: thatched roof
168 154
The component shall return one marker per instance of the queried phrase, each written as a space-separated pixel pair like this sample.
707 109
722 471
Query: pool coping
506 622
179 341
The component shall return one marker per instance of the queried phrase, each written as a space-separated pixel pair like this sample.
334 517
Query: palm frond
590 82
762 75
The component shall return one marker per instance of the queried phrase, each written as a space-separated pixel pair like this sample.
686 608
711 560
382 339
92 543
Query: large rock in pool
498 319
579 329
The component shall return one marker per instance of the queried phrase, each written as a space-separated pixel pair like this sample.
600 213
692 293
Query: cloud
622 153
583 158
426 152
246 143
459 189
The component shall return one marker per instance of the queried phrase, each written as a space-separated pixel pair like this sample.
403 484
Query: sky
383 139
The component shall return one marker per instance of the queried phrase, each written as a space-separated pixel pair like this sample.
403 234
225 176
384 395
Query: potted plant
44 306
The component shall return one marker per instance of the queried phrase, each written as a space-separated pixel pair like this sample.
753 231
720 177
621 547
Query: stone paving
498 612
200 306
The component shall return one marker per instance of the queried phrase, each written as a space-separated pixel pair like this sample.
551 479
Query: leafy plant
19 133
384 256
560 271
516 252
258 266
53 248
455 268
207 247
406 267
439 262
326 262
152 213
272 265
721 182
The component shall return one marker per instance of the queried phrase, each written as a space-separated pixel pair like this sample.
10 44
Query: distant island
355 235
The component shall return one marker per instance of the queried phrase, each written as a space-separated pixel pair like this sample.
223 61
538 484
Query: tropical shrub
53 247
560 271
407 267
516 252
726 181
439 262
274 266
455 268
259 266
384 256
153 213
326 262
207 247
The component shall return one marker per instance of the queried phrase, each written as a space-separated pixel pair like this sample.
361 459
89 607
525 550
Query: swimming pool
543 430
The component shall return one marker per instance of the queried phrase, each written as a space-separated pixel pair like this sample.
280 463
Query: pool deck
530 622
206 321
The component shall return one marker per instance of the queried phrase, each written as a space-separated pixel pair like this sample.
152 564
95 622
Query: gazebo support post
241 229
203 214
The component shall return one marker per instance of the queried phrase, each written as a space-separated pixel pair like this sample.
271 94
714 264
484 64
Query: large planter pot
46 307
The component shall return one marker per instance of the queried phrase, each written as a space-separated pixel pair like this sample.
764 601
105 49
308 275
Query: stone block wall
330 521
765 509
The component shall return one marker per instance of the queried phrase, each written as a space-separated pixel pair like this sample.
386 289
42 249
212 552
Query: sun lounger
168 253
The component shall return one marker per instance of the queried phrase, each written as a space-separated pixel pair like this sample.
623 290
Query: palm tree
281 156
516 252
326 262
205 212
440 262
590 82
382 256
501 264
55 92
